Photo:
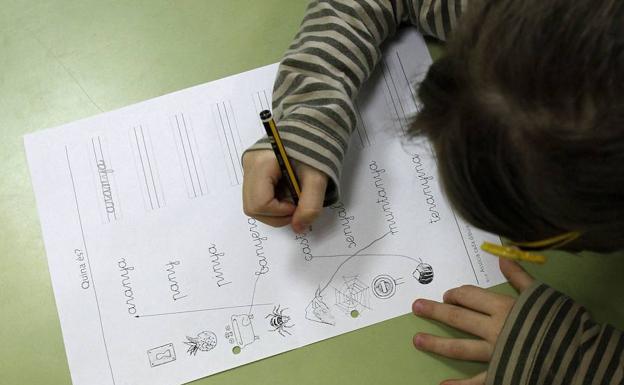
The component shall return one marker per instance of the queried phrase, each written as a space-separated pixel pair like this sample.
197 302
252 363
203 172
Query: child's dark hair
526 113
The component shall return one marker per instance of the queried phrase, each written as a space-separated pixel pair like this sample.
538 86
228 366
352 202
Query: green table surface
63 60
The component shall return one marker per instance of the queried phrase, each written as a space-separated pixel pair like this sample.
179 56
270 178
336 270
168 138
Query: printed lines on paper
229 136
188 153
147 170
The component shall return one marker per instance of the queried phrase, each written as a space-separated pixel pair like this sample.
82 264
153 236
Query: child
525 112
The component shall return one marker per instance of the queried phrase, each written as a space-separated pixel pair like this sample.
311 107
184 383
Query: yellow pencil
288 171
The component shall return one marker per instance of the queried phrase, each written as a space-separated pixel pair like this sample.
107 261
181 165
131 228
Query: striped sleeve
334 52
550 339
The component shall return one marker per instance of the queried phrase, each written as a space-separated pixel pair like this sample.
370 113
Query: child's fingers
479 379
259 183
476 298
259 201
310 206
457 348
515 274
274 221
455 316
271 207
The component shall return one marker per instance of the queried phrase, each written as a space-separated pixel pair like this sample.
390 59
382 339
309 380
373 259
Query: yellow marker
288 171
515 249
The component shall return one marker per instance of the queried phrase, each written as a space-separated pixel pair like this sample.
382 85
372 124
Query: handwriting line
149 164
149 195
384 67
227 142
396 92
188 167
186 130
232 130
95 155
109 164
361 128
268 105
409 86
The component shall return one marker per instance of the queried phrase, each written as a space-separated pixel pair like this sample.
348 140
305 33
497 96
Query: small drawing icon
242 329
279 321
161 355
354 295
205 342
229 334
318 311
384 286
423 273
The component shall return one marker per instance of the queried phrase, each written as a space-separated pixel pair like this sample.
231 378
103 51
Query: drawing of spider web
354 295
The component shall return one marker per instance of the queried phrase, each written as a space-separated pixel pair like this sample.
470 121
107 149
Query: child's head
526 114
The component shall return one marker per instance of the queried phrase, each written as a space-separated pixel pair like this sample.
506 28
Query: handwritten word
216 265
107 193
383 199
305 245
258 240
429 198
127 285
174 287
345 219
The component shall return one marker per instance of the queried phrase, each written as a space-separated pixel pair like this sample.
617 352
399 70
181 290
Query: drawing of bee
279 321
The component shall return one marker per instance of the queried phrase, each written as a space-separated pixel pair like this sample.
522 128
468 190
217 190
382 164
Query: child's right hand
261 176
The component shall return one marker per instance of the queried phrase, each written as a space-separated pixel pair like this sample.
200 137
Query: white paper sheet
157 273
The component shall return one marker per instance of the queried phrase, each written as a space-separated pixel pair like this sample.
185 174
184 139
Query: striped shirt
334 52
547 339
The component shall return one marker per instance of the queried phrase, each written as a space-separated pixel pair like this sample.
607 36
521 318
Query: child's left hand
475 311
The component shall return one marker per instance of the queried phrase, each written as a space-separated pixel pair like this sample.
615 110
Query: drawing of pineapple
205 341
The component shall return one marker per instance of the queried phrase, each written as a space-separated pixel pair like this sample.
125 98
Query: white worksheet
160 278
